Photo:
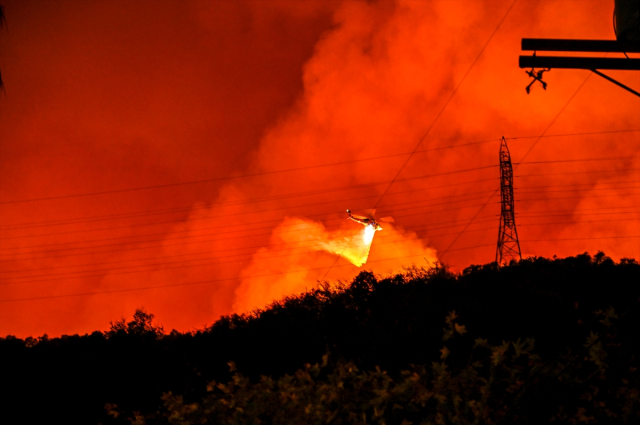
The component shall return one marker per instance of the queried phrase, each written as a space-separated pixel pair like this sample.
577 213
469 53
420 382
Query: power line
217 233
283 273
472 247
188 283
526 215
426 176
228 238
399 192
612 158
578 221
188 208
577 172
85 249
233 231
573 197
577 209
66 222
113 191
170 268
200 235
173 244
106 192
573 134
578 190
584 239
324 191
209 252
578 184
111 270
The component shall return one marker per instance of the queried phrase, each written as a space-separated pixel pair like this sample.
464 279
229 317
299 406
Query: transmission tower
508 244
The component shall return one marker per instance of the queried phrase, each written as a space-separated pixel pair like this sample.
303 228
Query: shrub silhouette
141 326
387 322
496 385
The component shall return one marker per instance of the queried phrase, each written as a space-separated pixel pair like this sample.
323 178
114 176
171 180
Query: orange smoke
302 252
338 94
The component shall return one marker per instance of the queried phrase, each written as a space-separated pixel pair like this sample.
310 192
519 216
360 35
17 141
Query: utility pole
589 63
508 243
626 25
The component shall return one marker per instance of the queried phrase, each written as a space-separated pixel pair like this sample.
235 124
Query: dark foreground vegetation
540 341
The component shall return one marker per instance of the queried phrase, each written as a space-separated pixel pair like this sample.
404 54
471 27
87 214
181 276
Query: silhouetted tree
141 325
388 322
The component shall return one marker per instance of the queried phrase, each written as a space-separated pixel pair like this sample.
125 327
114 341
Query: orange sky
111 96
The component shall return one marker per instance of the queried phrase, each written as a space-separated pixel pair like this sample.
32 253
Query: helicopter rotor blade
370 213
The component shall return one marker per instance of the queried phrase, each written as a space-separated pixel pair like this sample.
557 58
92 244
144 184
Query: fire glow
336 84
352 247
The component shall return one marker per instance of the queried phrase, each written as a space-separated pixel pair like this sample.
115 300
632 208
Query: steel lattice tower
508 244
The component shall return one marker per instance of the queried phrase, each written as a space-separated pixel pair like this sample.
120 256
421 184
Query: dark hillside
391 322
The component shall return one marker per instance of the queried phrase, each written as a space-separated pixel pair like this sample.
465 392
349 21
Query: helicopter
368 219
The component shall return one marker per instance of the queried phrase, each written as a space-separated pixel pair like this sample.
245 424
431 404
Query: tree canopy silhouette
141 325
561 310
